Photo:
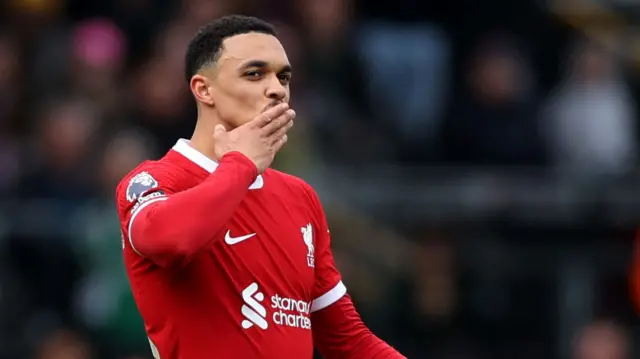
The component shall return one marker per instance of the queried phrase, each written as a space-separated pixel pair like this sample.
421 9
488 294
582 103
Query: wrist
241 160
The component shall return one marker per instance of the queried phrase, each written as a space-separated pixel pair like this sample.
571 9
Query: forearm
177 227
339 333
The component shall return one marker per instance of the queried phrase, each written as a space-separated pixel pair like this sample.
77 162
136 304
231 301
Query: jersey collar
195 156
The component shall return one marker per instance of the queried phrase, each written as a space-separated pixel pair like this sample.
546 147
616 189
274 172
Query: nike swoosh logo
235 240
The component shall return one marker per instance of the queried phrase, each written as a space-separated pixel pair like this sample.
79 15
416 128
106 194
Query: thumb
219 130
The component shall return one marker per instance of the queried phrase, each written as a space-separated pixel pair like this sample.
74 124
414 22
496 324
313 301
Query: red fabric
174 231
202 294
327 275
339 333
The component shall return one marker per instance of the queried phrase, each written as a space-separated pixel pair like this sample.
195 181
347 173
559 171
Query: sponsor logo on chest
288 312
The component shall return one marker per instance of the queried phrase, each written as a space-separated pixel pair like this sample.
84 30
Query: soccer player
227 258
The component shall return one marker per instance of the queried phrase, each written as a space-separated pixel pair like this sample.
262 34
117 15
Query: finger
280 143
267 116
281 132
279 122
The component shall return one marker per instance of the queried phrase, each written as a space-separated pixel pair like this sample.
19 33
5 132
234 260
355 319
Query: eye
253 74
285 78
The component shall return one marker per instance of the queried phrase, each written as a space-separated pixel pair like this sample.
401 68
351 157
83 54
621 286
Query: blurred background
478 161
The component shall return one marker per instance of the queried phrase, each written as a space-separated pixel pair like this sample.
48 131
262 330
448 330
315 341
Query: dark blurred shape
124 152
406 74
495 122
64 344
37 6
10 69
98 55
199 12
48 270
429 314
10 95
591 123
65 130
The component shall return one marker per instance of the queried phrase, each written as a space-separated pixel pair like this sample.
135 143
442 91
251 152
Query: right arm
172 228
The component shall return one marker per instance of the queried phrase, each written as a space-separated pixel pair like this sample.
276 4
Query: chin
241 122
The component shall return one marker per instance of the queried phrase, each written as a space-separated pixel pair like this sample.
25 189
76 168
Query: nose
275 90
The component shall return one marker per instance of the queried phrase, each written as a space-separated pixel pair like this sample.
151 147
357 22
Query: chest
270 239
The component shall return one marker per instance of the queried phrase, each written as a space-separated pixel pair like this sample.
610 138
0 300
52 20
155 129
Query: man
226 257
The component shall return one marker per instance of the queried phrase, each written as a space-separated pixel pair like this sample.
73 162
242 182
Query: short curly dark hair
205 47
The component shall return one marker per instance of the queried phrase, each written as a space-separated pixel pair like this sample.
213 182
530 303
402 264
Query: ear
201 89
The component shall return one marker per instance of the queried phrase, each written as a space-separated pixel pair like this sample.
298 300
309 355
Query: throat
204 143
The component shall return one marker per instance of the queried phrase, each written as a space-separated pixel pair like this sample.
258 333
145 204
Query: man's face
251 75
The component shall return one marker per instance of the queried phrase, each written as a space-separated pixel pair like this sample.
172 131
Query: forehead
253 46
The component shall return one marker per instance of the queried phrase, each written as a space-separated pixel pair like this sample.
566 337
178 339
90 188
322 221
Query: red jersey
246 282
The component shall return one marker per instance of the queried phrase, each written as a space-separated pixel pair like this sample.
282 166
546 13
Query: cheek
239 103
237 92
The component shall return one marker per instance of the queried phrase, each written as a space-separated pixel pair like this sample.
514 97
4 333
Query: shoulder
145 176
159 177
295 184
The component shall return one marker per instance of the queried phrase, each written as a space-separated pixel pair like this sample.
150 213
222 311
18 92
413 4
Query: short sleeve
143 187
328 287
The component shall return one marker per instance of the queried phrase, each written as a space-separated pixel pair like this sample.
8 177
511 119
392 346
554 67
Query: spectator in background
494 122
98 53
590 120
123 152
10 70
103 300
406 82
41 240
10 92
195 13
161 103
61 153
329 92
426 323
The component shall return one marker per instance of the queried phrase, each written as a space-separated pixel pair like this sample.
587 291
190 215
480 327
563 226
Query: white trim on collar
184 148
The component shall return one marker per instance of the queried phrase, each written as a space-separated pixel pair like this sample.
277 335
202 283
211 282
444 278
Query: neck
202 138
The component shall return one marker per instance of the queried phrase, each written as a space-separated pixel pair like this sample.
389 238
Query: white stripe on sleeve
133 216
329 297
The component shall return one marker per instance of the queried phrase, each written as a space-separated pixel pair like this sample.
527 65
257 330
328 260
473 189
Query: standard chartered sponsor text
290 312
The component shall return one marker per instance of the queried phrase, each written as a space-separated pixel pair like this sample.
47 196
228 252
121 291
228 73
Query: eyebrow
263 64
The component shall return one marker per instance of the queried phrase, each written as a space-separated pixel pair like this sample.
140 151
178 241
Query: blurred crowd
90 89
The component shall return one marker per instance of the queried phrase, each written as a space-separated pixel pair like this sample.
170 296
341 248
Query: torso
214 302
